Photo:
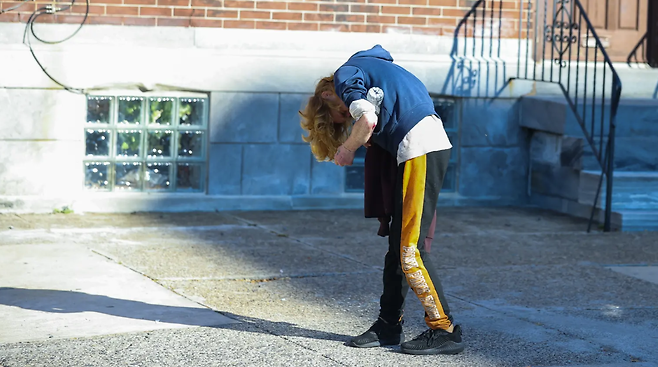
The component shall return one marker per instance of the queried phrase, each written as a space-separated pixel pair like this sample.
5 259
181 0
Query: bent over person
391 110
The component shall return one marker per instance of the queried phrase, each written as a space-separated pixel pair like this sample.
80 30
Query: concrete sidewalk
530 288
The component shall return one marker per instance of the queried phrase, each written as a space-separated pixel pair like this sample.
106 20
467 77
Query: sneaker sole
377 343
448 348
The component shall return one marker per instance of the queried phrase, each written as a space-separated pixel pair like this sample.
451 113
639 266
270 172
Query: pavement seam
266 278
279 234
516 316
109 257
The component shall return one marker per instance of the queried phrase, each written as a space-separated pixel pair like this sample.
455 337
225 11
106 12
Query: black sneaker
380 333
435 342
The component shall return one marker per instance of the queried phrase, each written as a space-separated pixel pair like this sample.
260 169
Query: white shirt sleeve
360 107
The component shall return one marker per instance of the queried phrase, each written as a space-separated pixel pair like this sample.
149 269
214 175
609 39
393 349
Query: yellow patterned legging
407 264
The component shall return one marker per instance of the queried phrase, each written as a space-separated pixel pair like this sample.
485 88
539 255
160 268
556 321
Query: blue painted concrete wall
494 151
636 134
256 149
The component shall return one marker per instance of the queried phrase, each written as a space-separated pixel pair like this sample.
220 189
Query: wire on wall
50 9
23 2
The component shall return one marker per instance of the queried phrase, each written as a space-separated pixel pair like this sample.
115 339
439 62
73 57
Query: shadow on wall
479 58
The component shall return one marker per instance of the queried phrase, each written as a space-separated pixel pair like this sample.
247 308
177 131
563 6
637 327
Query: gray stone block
41 114
244 117
589 183
571 154
556 150
224 169
494 172
543 114
45 168
635 117
545 148
327 178
276 169
486 123
555 181
289 129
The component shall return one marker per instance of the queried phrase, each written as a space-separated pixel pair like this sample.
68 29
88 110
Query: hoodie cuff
360 107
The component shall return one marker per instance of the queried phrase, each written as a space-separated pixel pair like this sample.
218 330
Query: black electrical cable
23 2
30 26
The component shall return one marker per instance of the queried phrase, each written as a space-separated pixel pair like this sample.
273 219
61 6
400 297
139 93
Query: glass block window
146 143
447 110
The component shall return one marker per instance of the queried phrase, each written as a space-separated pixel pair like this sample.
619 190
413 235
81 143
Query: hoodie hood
377 52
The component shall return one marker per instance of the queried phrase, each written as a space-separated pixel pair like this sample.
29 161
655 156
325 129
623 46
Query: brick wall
433 17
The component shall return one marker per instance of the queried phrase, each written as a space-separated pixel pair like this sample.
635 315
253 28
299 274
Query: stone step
634 197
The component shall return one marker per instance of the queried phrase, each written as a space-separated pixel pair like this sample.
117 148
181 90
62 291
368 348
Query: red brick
139 21
139 2
270 5
332 27
443 21
380 19
286 16
212 13
271 25
173 2
303 6
246 24
412 20
187 12
122 10
239 4
448 12
173 22
208 3
95 19
250 14
382 1
427 11
25 7
164 12
412 2
450 3
335 8
369 28
93 9
406 10
70 19
210 23
354 18
303 26
318 17
364 9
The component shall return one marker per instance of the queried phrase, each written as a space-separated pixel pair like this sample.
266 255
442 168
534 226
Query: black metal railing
556 43
641 50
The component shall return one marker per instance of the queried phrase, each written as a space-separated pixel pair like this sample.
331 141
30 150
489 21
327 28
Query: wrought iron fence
556 43
641 50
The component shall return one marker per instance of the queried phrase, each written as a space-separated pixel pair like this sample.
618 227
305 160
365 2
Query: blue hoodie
406 100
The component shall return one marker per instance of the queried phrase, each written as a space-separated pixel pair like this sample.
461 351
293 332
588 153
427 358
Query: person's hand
344 157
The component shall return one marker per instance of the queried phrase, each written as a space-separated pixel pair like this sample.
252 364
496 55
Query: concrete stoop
564 177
